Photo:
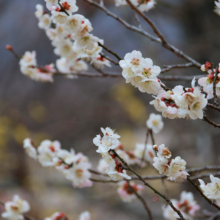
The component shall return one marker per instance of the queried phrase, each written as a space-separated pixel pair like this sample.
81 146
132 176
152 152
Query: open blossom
51 4
148 149
125 191
120 2
109 141
177 169
15 209
207 83
30 148
155 123
212 189
140 72
187 205
174 169
47 152
44 18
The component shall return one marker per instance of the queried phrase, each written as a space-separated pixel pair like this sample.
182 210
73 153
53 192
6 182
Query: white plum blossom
69 67
102 166
109 141
217 7
140 72
148 149
126 193
59 17
175 169
30 148
28 59
69 5
187 205
47 152
51 4
85 216
162 151
15 209
161 164
212 189
44 21
79 174
39 11
155 123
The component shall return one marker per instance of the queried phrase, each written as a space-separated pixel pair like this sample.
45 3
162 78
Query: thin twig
176 66
110 51
142 201
211 122
107 58
213 106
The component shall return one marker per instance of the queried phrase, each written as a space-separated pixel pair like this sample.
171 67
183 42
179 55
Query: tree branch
151 187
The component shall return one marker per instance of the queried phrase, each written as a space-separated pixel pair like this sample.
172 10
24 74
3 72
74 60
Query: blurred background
72 111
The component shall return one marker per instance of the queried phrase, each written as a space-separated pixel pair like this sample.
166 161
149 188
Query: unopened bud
8 47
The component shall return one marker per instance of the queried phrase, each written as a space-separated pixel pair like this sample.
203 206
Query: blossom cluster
70 36
212 189
141 72
187 205
75 167
208 81
181 102
108 142
28 66
144 5
15 210
174 169
126 190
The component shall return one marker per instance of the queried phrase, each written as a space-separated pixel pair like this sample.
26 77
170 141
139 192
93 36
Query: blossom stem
110 51
151 187
142 201
211 122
